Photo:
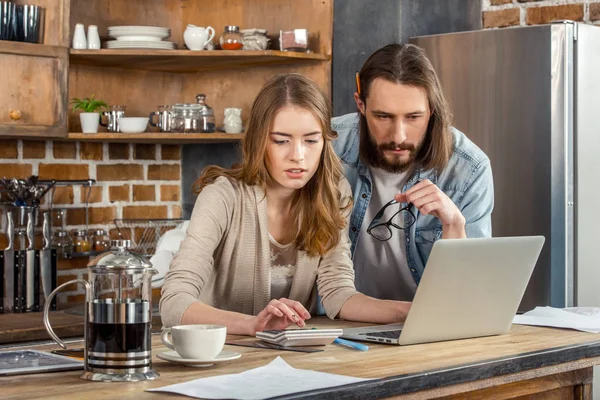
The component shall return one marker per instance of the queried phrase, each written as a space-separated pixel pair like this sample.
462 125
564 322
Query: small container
100 240
207 115
82 242
186 118
231 39
62 243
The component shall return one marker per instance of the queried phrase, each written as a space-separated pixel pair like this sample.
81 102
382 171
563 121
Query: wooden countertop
17 328
443 368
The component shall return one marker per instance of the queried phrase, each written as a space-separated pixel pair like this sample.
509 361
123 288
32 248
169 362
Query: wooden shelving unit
32 49
189 61
148 137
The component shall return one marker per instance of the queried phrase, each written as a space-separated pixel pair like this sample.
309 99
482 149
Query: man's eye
383 116
414 117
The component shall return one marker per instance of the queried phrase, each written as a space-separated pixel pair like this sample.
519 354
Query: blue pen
354 345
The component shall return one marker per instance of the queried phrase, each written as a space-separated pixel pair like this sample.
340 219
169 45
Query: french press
118 316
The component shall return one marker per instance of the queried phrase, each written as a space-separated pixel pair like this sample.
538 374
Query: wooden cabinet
44 77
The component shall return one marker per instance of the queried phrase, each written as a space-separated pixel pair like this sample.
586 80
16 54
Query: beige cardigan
224 260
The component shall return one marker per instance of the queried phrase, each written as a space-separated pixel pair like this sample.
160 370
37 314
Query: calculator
300 337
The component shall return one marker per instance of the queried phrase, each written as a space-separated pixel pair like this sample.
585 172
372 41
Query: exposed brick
144 151
118 151
501 18
15 170
97 215
145 212
91 151
66 278
63 195
63 171
171 152
143 193
64 150
500 2
119 172
545 15
34 149
164 172
95 196
176 212
72 263
118 193
8 148
595 12
170 193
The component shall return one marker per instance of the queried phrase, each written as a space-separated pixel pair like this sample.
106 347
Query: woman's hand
279 314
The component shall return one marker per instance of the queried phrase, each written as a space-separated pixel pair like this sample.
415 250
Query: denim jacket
467 180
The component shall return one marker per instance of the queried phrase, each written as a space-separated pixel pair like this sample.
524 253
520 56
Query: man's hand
279 314
429 199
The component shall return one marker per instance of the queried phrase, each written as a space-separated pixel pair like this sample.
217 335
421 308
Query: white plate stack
139 37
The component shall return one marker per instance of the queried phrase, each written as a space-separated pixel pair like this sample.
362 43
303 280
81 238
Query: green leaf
88 104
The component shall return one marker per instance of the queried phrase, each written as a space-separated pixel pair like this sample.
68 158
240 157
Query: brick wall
504 13
133 181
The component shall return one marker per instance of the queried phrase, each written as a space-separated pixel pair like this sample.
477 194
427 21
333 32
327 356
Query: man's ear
359 103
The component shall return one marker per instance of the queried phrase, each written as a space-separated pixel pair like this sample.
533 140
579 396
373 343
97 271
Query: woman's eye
279 141
312 141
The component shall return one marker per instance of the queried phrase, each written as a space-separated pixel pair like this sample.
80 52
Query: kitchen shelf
32 49
149 137
189 61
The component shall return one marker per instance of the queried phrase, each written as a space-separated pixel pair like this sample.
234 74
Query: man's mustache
396 146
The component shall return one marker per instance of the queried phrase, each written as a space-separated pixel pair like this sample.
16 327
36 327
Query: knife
31 268
47 264
9 282
272 346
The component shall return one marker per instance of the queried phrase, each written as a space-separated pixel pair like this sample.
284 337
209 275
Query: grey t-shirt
381 267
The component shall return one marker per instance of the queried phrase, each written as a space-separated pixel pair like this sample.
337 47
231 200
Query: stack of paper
277 378
585 319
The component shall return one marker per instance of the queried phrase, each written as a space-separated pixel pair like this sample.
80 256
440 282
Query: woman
261 234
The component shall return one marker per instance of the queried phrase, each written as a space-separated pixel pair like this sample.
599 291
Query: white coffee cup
197 342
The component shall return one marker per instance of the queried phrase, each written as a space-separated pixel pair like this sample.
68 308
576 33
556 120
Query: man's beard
374 154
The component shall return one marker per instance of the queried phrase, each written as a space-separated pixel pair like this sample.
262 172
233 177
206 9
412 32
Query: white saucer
172 356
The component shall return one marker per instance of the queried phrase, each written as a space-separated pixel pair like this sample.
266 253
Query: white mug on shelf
93 39
196 37
79 40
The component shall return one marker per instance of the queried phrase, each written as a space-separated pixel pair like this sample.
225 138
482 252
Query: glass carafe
186 118
207 120
118 316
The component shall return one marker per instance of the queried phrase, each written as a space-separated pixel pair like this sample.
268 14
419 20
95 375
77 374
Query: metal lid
60 234
80 233
205 108
232 28
99 232
119 258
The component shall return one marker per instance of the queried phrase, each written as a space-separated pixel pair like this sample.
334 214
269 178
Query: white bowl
133 124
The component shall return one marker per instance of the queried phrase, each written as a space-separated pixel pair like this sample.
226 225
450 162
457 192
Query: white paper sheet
585 319
274 379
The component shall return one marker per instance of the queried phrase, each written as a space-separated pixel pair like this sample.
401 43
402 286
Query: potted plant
90 116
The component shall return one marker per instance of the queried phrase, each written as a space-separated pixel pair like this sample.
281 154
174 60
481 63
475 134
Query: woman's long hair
316 207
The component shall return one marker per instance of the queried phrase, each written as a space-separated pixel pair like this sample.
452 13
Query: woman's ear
359 103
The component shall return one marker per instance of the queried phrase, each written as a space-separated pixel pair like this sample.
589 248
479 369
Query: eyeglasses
402 219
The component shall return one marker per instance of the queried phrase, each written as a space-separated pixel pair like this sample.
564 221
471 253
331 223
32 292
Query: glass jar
186 118
62 243
100 240
231 39
82 242
207 120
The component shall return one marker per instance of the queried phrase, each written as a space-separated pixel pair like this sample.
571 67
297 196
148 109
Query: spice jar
62 243
207 115
82 242
100 240
231 39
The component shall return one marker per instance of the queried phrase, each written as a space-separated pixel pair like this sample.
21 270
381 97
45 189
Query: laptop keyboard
385 334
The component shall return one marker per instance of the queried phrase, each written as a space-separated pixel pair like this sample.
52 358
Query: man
400 145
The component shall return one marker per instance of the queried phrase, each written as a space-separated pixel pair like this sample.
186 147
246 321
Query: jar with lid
207 120
82 242
100 240
186 118
62 243
231 39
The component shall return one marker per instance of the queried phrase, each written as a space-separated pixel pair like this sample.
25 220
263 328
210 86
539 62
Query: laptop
470 288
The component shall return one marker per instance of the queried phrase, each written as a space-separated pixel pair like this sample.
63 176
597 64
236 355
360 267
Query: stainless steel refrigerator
530 98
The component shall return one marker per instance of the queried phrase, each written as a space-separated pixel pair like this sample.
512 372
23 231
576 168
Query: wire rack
144 233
